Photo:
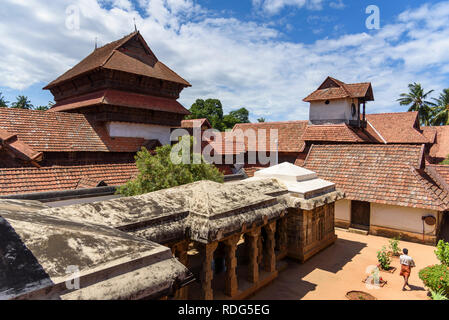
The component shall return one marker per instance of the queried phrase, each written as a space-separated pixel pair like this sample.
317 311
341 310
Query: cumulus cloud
275 6
242 63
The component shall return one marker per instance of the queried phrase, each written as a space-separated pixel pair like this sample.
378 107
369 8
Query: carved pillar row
270 255
253 238
207 274
231 283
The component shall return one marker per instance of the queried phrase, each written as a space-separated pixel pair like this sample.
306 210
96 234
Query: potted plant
384 259
394 246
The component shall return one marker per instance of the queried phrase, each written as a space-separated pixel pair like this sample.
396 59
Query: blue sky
265 55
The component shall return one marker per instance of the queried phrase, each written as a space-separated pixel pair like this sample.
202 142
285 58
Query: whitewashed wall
403 218
339 109
343 210
137 130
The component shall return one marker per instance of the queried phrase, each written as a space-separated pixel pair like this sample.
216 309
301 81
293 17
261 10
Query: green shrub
394 246
438 295
436 278
442 252
158 171
383 258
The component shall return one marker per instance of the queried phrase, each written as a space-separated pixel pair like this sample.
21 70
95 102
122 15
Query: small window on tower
354 110
327 102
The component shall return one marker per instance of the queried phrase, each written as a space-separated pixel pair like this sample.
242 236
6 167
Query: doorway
360 215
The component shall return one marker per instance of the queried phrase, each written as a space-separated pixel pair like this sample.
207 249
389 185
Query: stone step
358 231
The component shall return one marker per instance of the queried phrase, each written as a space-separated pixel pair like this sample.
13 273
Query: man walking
407 264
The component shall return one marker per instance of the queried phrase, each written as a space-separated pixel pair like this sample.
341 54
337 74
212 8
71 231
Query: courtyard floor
342 268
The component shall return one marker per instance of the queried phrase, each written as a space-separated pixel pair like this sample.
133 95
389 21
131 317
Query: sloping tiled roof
335 89
122 99
111 57
439 173
196 123
398 127
228 144
58 178
63 132
335 133
388 174
289 135
18 148
440 149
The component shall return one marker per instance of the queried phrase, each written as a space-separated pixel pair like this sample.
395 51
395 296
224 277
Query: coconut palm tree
440 113
416 99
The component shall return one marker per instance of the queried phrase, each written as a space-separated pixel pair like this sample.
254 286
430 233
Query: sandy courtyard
342 267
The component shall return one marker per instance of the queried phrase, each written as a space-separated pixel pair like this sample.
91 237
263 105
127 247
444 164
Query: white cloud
275 6
242 63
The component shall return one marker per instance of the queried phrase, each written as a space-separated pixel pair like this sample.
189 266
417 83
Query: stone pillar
253 246
260 246
283 237
207 274
181 253
270 254
231 283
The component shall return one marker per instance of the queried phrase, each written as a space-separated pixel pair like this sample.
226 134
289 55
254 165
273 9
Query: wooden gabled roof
114 56
332 88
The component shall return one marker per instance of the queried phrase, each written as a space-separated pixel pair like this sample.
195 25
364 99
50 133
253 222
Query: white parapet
299 181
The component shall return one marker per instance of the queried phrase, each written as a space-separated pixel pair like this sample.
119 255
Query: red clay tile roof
440 149
289 135
228 144
335 133
196 123
63 132
387 174
18 149
335 89
398 127
30 180
113 56
440 173
122 99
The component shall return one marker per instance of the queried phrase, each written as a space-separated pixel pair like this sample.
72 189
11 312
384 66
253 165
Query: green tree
158 171
238 116
22 102
261 120
416 100
440 113
3 102
45 108
211 109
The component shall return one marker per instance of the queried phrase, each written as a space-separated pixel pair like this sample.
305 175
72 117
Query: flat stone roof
299 181
38 248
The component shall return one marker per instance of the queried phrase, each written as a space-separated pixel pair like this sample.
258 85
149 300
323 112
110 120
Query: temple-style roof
122 99
114 56
387 174
335 89
111 264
